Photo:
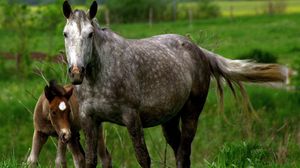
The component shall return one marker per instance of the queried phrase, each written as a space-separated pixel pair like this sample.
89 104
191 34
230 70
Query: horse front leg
90 129
134 126
77 150
102 150
38 140
60 160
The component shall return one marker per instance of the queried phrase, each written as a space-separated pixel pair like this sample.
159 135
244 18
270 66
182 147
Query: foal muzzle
65 135
76 74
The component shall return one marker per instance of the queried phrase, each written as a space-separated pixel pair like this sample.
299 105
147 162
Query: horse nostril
65 137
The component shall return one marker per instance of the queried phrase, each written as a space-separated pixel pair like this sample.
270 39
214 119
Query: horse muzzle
65 135
76 74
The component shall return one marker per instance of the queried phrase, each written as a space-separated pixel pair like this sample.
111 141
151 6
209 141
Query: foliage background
32 42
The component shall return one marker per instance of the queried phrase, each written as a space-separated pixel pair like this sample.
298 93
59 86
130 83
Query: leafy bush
134 10
198 10
260 56
208 9
18 19
138 10
47 18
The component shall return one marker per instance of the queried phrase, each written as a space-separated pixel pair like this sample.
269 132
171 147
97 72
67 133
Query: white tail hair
237 71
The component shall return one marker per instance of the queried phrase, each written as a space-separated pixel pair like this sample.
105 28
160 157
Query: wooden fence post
107 20
150 16
231 9
190 11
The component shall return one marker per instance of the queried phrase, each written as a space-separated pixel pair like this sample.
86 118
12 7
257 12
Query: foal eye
91 35
53 113
65 34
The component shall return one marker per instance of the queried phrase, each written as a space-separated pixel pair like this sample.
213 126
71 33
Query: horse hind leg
172 133
189 120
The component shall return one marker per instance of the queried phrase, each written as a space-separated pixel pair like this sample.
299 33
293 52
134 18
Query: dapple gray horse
160 80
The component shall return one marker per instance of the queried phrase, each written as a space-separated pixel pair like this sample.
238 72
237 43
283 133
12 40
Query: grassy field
271 140
253 7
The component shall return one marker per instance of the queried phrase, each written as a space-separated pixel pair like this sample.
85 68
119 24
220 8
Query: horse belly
164 101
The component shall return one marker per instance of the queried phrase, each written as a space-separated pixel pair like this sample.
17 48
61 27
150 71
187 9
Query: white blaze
77 43
62 106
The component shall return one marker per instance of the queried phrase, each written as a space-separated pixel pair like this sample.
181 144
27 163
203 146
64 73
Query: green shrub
138 10
207 9
134 10
198 10
260 56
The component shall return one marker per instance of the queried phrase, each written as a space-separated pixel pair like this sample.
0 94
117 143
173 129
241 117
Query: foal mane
57 89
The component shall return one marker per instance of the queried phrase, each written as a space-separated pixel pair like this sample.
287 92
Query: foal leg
172 133
189 119
38 140
76 150
135 128
60 160
102 150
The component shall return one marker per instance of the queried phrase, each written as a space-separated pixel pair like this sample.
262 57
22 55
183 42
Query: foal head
59 109
79 35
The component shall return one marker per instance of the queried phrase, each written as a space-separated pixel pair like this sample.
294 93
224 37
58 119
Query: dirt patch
37 56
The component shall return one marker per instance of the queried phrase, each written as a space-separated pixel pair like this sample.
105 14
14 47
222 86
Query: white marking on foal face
62 106
65 131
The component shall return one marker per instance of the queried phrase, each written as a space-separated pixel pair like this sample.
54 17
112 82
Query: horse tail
235 72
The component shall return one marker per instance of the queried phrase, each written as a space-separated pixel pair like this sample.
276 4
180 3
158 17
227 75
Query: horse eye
91 35
65 34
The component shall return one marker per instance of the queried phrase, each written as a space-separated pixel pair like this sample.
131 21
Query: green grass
246 8
241 8
271 140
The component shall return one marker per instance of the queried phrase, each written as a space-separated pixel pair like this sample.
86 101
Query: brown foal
56 114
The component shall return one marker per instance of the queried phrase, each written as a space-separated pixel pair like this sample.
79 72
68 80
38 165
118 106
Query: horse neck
105 42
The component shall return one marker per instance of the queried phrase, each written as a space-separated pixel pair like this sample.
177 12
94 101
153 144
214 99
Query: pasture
254 7
272 139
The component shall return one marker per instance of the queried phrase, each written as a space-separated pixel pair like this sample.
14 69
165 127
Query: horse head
59 109
79 36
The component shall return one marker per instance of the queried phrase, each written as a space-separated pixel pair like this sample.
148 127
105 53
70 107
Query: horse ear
48 93
93 10
67 9
69 93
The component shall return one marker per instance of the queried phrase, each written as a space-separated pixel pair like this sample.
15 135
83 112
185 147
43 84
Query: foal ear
93 10
69 93
67 9
48 93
